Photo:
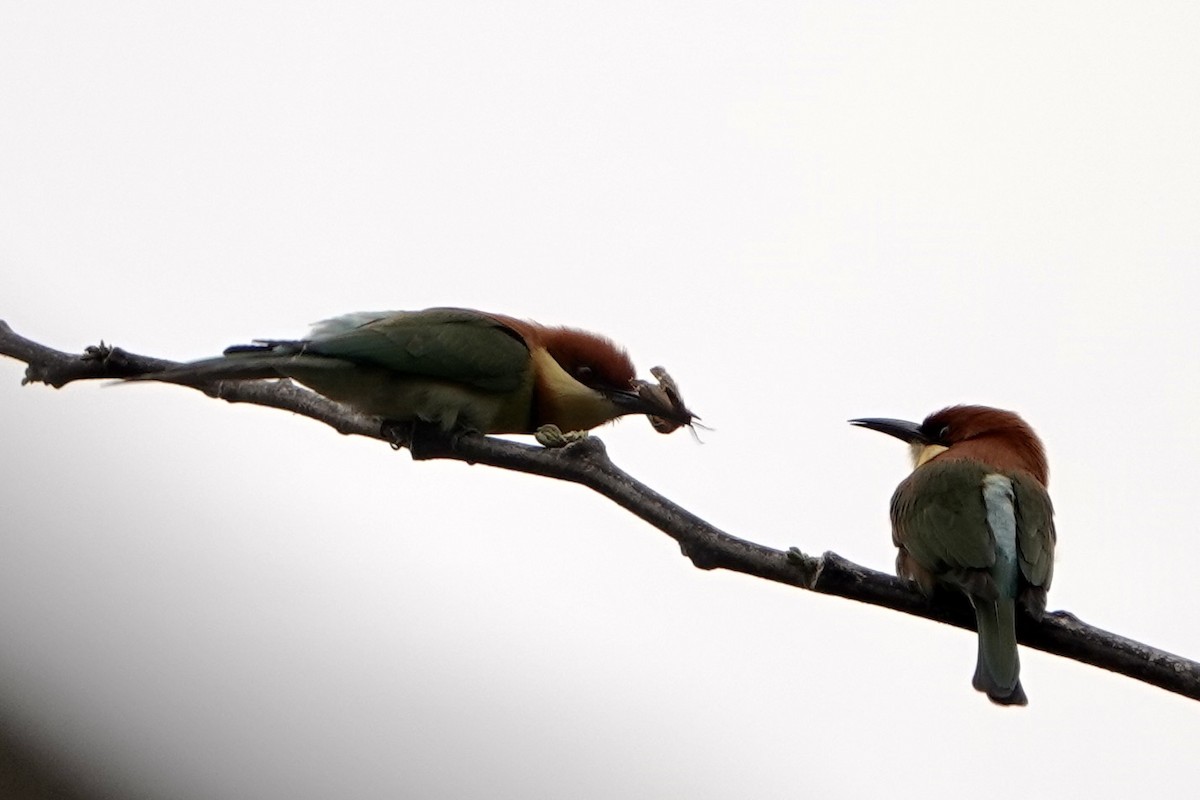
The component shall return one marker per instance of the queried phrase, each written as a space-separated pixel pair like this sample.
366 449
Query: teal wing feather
1036 539
448 343
939 517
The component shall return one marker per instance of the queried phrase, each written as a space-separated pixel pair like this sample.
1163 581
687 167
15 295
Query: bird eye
583 372
943 433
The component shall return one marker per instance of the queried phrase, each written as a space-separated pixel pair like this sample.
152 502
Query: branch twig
586 462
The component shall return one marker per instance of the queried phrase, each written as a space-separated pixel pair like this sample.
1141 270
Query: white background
807 212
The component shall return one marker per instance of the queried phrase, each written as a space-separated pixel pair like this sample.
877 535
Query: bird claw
422 439
100 352
398 434
551 437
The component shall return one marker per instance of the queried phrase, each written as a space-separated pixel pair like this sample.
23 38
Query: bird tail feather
242 366
998 667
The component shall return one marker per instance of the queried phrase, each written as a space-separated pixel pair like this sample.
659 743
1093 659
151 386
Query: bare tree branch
586 462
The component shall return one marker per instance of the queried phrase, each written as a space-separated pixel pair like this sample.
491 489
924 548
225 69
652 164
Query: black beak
631 402
660 402
652 405
907 431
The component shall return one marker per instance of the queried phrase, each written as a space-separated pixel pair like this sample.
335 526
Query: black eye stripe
938 435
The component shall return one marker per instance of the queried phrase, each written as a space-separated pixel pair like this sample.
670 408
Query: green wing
1035 540
939 517
449 343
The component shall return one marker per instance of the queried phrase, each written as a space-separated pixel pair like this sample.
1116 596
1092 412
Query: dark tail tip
983 681
265 346
1015 697
235 349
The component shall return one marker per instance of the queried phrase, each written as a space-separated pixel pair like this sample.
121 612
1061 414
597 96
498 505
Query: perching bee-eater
454 367
975 515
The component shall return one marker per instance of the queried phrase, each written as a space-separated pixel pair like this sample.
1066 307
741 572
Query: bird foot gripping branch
551 437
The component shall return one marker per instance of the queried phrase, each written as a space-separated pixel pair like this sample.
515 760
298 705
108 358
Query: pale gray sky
807 212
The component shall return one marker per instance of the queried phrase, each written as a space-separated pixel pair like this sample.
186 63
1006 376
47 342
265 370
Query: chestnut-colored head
998 438
583 379
594 360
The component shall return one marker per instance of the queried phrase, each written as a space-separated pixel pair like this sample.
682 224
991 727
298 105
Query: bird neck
921 453
561 400
999 456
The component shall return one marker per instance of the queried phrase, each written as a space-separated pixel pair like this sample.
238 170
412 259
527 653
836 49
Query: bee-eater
975 515
454 367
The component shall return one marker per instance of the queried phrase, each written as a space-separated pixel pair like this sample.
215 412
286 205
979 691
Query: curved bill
902 429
